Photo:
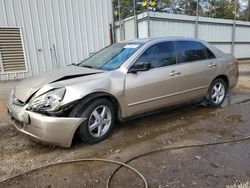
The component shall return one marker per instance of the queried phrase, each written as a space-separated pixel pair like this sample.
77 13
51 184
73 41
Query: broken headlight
47 102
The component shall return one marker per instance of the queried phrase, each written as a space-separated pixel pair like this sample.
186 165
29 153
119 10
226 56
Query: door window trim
186 62
176 55
210 51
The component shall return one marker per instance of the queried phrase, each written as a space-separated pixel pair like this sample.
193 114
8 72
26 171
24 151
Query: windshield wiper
87 66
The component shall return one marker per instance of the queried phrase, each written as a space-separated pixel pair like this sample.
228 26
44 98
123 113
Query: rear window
189 51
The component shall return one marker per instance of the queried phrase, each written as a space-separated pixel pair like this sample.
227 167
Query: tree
127 7
210 8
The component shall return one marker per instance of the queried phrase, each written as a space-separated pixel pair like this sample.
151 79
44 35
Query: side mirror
141 66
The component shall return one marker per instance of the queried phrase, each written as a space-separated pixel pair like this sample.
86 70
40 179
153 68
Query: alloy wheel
218 93
100 121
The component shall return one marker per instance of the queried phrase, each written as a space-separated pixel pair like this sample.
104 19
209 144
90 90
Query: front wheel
100 121
217 93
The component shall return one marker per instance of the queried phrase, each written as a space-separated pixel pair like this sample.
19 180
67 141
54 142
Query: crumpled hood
28 87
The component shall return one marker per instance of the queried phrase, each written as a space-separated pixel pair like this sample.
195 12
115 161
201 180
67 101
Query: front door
157 87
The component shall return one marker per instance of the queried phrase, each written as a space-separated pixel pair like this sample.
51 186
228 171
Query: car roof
177 38
154 39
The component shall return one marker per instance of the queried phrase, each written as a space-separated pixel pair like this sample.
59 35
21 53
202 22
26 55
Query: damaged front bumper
50 130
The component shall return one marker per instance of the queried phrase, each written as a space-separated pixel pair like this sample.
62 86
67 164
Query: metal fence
228 35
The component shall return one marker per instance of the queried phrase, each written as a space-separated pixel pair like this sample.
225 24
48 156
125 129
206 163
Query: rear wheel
217 93
100 121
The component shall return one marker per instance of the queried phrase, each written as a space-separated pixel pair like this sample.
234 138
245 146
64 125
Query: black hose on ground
125 163
176 148
77 161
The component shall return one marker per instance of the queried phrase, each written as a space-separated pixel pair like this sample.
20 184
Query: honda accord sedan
121 81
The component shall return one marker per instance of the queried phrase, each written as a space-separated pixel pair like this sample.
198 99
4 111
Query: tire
99 123
217 93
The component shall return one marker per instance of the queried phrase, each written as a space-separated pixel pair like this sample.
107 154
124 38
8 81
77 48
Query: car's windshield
111 57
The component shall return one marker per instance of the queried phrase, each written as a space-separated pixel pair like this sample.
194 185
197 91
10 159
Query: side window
210 54
159 55
190 51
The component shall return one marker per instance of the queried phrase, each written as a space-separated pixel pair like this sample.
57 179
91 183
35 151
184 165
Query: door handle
178 73
212 65
173 73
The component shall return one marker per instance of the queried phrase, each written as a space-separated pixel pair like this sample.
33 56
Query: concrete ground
225 165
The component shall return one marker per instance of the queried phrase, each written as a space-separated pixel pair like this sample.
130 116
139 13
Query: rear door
198 66
157 87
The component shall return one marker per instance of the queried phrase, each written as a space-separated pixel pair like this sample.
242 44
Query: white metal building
228 35
40 35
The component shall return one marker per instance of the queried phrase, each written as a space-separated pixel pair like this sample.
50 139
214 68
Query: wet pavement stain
216 166
234 118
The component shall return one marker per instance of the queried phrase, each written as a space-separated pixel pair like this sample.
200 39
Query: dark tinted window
210 54
190 51
159 55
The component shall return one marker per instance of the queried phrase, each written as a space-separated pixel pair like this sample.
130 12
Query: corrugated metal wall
216 31
129 28
57 32
159 26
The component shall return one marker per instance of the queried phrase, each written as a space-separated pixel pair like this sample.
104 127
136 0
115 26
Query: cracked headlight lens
49 101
